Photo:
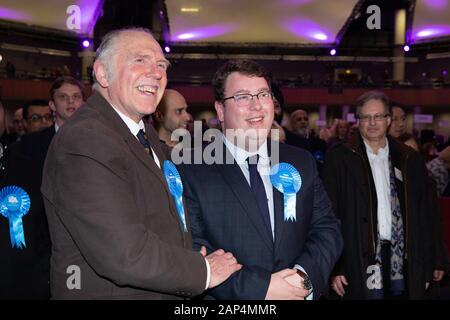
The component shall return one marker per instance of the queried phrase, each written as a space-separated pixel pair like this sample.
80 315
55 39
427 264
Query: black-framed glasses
244 99
376 117
37 117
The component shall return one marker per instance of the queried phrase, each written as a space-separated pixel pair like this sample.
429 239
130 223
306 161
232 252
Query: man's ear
100 74
220 110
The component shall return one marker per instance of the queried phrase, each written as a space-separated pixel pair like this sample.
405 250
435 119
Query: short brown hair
60 81
372 95
246 67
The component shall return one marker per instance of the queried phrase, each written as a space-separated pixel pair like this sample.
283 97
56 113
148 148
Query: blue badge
286 179
14 204
173 179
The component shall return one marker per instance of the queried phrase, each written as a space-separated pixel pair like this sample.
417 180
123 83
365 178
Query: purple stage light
333 52
10 14
86 43
406 48
432 31
444 72
306 28
167 49
206 32
437 4
186 36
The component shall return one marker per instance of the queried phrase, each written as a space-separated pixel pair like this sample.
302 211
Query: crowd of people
94 207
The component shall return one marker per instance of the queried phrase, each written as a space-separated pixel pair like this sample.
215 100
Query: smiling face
256 118
139 76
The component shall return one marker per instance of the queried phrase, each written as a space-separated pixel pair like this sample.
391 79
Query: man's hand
438 275
337 284
222 264
286 285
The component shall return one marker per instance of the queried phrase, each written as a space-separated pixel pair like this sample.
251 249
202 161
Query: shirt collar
133 126
382 152
241 155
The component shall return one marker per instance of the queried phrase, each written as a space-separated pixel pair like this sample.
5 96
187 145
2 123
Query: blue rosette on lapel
173 179
14 204
286 179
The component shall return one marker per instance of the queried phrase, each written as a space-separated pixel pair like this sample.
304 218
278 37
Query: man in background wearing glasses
232 203
37 116
27 273
378 187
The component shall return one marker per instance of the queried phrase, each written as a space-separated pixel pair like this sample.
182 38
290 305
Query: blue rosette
173 179
286 179
14 204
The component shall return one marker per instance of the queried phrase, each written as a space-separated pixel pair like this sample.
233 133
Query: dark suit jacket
34 146
224 214
110 214
26 272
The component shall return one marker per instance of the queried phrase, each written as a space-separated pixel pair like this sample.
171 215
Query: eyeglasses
67 98
244 99
37 117
376 117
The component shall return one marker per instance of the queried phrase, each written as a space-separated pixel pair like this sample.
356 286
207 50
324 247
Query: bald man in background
171 114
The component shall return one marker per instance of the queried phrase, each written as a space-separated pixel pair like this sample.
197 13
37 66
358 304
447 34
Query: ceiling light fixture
189 10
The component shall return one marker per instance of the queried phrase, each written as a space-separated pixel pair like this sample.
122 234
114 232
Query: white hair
108 48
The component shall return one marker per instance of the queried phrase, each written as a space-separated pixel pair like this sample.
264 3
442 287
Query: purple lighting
86 43
406 48
444 72
333 52
437 4
167 49
432 31
10 14
305 28
206 32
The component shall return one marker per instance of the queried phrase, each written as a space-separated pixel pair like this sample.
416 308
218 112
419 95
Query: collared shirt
263 167
56 127
134 128
379 164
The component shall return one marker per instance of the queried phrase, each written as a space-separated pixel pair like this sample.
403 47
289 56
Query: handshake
286 284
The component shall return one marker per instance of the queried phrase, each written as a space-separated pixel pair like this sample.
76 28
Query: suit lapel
236 181
113 120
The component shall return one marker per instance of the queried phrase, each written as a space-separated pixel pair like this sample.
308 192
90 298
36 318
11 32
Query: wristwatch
306 281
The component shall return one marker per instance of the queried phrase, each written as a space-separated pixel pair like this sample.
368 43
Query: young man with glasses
37 116
378 187
286 252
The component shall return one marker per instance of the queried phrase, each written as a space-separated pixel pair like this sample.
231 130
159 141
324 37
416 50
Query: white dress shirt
134 128
263 167
379 164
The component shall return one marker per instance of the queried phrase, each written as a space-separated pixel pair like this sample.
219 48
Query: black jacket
349 182
26 272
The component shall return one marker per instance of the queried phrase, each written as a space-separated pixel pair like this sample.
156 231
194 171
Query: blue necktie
259 191
142 137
